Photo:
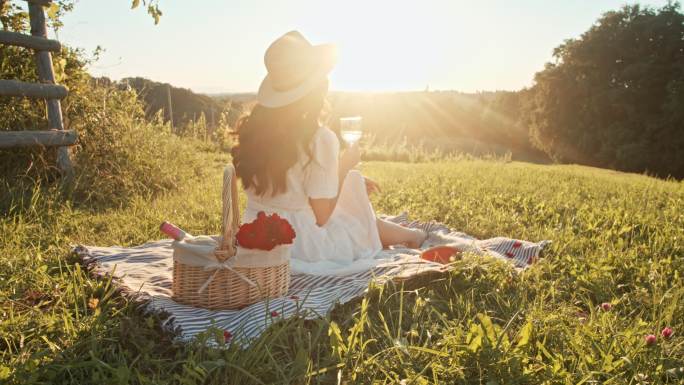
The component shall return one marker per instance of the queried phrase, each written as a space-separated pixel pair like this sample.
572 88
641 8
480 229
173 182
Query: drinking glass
350 129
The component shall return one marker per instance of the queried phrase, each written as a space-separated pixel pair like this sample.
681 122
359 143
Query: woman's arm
323 208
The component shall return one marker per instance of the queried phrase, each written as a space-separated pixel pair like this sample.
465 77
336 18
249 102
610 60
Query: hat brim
268 96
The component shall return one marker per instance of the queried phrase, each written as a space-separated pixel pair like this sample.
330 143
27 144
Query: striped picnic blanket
145 272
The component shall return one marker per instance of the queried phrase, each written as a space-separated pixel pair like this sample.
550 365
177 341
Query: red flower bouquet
265 232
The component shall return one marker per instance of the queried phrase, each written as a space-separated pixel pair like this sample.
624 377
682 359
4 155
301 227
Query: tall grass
119 155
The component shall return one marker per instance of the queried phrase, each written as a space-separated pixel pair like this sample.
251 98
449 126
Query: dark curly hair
270 141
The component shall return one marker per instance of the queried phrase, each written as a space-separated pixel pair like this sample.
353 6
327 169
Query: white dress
349 241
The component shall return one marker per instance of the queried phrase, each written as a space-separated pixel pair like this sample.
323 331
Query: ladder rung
28 41
32 90
44 3
37 138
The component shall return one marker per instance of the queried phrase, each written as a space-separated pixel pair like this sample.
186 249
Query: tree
152 8
615 96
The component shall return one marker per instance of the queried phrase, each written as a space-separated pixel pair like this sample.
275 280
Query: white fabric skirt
348 243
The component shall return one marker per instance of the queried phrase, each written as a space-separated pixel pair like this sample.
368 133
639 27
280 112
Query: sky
214 46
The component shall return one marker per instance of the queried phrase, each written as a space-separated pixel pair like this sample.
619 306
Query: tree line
612 97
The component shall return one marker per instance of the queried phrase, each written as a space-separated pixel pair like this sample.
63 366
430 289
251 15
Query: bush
119 154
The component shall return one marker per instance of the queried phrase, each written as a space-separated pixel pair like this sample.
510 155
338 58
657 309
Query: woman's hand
371 185
349 159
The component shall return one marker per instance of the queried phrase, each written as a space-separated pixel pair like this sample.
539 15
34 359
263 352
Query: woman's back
350 234
311 177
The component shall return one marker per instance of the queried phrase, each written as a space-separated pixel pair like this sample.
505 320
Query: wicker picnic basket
215 273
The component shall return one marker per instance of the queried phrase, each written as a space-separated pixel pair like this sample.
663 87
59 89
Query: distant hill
485 122
238 96
476 123
186 106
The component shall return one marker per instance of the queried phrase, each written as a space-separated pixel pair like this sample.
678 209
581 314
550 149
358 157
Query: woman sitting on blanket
289 163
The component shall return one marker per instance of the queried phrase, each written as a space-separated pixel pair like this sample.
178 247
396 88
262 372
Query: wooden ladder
56 135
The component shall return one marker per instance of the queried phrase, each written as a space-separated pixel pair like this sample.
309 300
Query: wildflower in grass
666 333
606 306
93 302
274 313
650 339
227 335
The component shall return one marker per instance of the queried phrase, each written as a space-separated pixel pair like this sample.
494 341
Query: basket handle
230 216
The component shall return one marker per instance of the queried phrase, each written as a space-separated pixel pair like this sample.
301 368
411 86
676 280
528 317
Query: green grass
617 238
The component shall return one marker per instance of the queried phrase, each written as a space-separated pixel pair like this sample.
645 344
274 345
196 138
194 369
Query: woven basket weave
234 287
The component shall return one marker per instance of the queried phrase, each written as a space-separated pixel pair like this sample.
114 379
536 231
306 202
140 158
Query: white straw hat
295 68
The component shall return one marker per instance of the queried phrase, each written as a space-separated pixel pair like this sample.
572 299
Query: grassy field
617 238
